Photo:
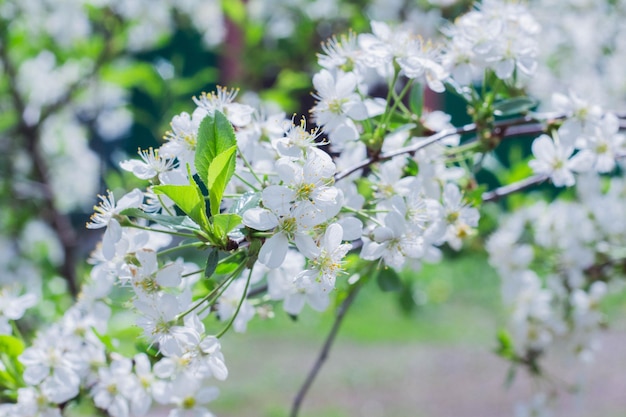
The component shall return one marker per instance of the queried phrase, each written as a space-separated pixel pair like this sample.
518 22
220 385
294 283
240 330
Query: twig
257 291
321 358
500 192
512 127
59 222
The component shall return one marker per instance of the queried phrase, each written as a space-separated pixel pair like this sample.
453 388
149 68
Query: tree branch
503 191
513 127
321 358
60 223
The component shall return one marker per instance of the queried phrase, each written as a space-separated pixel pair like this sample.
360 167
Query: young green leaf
228 267
211 262
180 222
220 172
416 99
215 136
11 345
190 200
388 280
515 105
224 223
506 348
247 201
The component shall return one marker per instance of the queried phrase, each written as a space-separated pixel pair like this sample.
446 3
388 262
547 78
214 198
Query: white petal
278 198
218 367
318 300
582 161
294 303
543 148
333 237
164 368
306 245
130 200
382 234
170 275
352 228
346 84
112 235
260 219
324 83
274 250
148 261
504 69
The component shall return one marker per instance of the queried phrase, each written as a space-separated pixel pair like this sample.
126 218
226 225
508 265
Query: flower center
336 106
189 402
304 191
288 226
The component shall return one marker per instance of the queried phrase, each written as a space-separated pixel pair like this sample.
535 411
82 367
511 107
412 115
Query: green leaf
211 263
365 187
388 280
190 200
220 172
247 201
188 86
225 268
235 10
515 105
411 168
105 339
215 136
169 221
142 75
290 80
11 345
226 222
475 196
416 99
406 301
505 348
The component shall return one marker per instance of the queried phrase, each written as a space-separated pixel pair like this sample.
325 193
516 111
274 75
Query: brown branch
505 128
257 291
429 140
323 355
60 223
503 191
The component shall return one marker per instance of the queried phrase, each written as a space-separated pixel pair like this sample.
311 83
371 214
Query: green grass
455 297
459 310
459 303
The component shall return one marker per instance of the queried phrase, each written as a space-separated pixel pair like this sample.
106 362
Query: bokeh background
84 84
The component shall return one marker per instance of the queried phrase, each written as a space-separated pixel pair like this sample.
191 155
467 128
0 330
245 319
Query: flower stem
240 178
215 293
243 297
167 210
179 247
167 232
247 164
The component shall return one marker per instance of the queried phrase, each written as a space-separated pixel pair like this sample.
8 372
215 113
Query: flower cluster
282 223
588 141
582 47
557 263
497 36
244 208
